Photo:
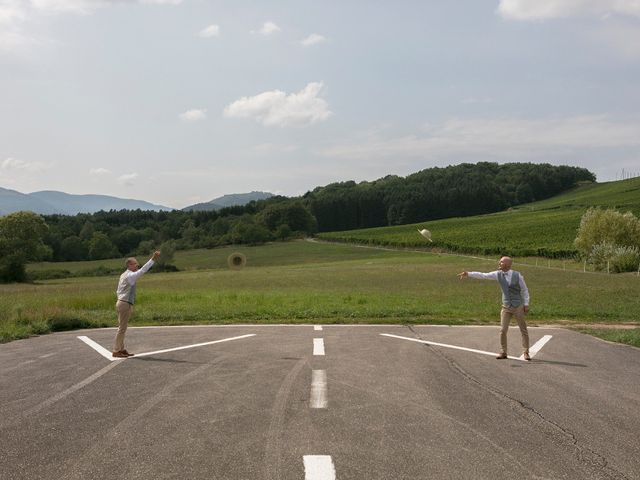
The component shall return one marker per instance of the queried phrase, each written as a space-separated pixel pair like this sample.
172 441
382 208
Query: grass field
544 229
306 282
628 336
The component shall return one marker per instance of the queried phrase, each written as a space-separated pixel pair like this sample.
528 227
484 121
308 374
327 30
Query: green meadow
541 229
313 282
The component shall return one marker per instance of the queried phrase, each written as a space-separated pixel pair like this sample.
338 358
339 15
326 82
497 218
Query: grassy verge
630 336
304 282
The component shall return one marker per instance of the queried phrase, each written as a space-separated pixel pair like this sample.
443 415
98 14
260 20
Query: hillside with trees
435 193
596 223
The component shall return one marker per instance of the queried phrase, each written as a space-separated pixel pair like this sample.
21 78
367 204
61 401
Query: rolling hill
230 200
546 228
51 202
13 201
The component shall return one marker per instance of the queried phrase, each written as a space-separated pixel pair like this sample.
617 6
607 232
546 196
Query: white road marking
146 354
448 346
318 346
107 354
317 328
537 346
318 389
69 390
99 348
318 467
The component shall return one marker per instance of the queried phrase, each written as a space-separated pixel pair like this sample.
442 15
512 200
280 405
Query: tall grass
304 282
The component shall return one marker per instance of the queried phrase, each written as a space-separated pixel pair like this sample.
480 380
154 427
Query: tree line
27 237
434 193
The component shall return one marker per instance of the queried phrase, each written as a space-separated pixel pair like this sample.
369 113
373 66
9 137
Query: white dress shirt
126 290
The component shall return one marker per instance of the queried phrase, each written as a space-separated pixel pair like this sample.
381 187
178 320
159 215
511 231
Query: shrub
12 269
626 259
599 227
617 258
59 324
53 274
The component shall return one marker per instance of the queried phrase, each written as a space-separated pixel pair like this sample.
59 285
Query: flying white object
426 234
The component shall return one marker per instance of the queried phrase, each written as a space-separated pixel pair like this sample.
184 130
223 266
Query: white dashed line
537 346
318 467
318 389
317 328
318 346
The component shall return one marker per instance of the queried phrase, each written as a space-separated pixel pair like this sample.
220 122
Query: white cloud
17 165
99 171
276 108
503 138
11 12
18 17
128 179
313 39
12 16
88 6
193 115
210 31
81 7
269 148
269 28
549 9
161 2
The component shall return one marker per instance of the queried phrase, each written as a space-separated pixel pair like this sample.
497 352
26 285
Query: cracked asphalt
396 409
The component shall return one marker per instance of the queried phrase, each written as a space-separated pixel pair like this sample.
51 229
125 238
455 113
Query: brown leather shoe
502 356
127 353
119 354
526 356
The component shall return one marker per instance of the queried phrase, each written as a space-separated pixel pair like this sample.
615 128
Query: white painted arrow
107 354
535 349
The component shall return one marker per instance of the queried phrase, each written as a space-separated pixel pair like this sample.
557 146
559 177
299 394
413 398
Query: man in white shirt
126 294
515 301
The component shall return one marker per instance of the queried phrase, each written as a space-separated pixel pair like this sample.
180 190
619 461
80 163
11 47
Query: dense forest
461 190
435 193
126 232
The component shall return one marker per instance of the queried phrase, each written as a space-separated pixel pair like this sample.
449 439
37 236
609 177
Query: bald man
515 301
126 293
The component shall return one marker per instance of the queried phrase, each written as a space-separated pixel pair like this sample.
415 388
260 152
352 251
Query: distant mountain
12 201
231 200
49 202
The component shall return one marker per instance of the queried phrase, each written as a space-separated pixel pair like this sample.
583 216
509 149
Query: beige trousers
124 310
505 319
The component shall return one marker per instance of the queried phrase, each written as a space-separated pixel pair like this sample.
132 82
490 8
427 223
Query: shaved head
505 263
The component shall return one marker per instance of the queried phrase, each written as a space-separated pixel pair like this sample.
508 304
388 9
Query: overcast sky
180 101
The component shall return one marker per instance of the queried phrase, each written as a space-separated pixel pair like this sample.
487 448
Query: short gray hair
129 260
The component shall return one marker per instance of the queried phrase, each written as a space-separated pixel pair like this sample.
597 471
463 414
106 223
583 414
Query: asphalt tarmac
296 402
